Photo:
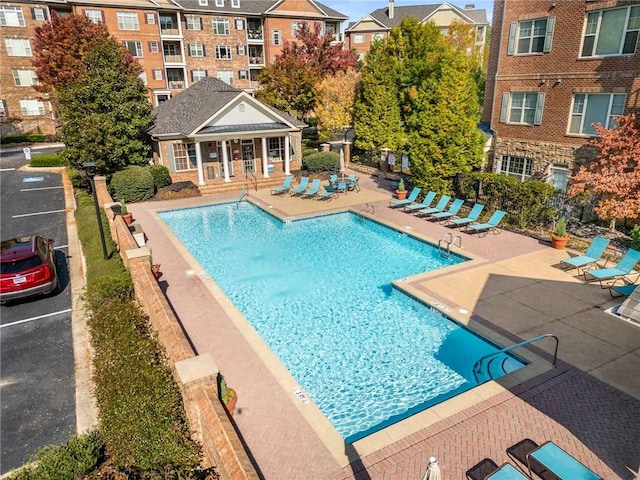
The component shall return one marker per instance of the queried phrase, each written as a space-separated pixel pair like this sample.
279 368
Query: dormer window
203 3
219 3
235 3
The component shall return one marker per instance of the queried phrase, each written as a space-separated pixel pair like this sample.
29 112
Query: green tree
377 112
444 139
335 98
105 116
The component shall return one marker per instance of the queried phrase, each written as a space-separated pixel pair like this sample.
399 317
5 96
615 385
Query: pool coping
324 430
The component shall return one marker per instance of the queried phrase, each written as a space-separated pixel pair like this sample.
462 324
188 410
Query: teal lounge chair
559 463
506 472
591 256
622 290
624 267
313 191
302 187
491 226
409 200
473 216
440 206
454 208
284 188
328 193
428 198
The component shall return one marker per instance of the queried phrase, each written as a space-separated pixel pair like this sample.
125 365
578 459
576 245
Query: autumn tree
335 97
614 176
462 37
288 82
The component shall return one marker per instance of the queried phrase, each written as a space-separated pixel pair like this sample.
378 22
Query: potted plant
559 237
228 396
126 215
401 191
155 267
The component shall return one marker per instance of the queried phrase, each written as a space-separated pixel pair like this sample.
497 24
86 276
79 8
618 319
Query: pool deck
511 290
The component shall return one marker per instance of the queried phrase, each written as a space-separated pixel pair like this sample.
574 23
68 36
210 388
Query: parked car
27 268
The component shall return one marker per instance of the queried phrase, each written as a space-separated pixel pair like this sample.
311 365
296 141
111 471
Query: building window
143 77
193 22
154 47
480 34
134 47
196 50
11 17
167 24
523 108
226 76
276 149
275 37
94 15
243 74
223 52
18 47
38 13
531 36
32 107
294 28
24 77
358 38
220 26
219 3
157 74
184 156
611 32
128 21
203 3
519 167
590 109
235 3
239 24
197 75
242 50
377 36
3 108
150 18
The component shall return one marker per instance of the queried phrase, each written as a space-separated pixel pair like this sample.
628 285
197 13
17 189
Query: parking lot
37 364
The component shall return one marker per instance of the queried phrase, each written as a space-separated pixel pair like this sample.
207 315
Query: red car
27 268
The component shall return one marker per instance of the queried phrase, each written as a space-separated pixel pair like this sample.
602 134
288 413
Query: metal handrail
478 364
243 193
252 178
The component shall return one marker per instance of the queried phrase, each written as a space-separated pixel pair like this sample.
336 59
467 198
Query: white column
199 164
287 157
265 162
225 161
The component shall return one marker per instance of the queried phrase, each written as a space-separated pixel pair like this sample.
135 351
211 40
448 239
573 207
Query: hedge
322 162
161 176
28 138
50 160
133 184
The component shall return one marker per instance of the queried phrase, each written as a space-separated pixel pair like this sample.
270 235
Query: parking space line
41 188
39 317
38 213
60 247
7 169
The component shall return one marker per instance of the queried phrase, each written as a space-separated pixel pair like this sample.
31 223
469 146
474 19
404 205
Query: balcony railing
173 58
254 34
256 61
176 84
169 31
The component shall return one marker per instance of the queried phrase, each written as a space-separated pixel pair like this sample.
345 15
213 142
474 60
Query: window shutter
504 109
189 50
548 37
513 28
204 50
33 13
200 22
537 120
150 45
102 15
172 163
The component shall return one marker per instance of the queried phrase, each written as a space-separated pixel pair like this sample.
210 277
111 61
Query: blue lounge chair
454 208
559 463
491 226
591 256
506 472
284 188
440 206
407 201
624 267
426 202
313 190
622 290
328 193
302 187
473 216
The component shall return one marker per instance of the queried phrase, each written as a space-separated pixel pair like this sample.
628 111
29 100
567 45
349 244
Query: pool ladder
366 208
243 194
447 241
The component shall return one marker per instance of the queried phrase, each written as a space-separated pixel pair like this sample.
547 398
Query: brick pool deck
512 290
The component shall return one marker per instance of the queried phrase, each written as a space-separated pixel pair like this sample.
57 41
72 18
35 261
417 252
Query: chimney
469 6
390 9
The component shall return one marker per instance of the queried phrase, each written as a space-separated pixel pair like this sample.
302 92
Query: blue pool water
319 293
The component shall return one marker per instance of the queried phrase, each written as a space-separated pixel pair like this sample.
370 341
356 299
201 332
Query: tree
335 98
105 116
288 82
614 176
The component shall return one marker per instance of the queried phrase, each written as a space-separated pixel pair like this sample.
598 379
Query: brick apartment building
556 68
177 43
378 24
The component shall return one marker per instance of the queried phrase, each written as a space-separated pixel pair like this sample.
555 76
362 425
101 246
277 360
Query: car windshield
20 265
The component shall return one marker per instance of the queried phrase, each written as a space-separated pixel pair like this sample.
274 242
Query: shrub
322 162
29 138
561 228
114 288
51 160
178 190
133 184
78 179
161 176
635 237
78 457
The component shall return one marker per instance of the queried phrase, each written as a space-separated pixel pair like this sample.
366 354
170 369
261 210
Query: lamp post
90 168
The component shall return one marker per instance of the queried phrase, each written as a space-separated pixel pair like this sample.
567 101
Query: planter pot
230 404
559 243
155 269
401 194
128 218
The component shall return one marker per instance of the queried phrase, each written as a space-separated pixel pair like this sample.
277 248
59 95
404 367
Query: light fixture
558 80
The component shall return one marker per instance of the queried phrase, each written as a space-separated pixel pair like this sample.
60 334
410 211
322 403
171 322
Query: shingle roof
421 12
250 7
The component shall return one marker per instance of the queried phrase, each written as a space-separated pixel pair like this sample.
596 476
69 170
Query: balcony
259 61
169 31
173 59
176 84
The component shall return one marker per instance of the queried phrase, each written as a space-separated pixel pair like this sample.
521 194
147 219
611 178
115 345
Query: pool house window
184 156
518 167
611 32
593 108
276 149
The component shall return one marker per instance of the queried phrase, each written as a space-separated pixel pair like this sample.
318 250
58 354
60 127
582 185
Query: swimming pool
319 292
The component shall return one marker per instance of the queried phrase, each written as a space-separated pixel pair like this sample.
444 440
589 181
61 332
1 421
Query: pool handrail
478 365
243 193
